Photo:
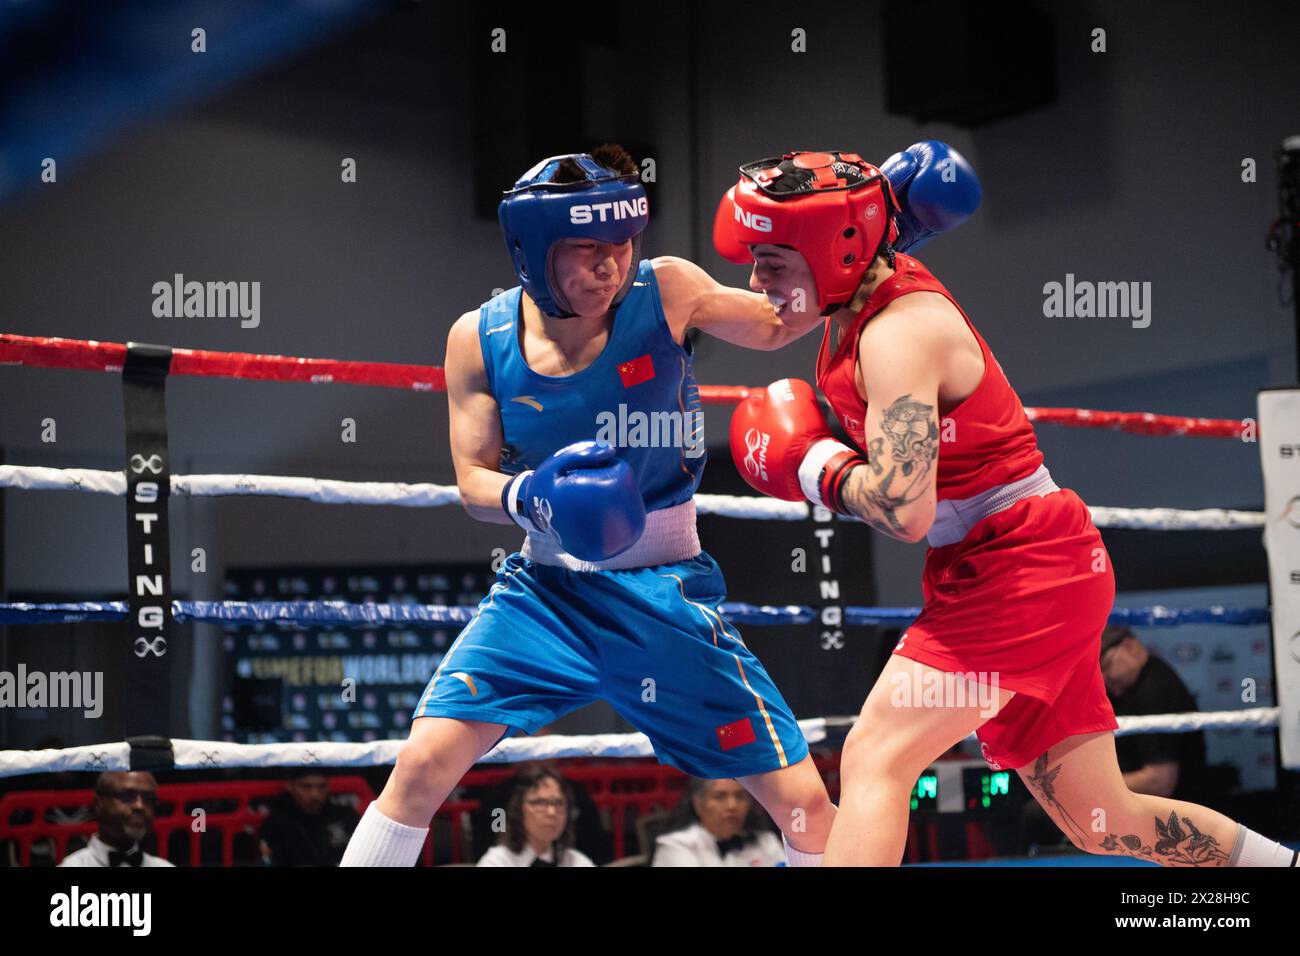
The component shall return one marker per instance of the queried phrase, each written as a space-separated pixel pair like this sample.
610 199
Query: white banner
1279 450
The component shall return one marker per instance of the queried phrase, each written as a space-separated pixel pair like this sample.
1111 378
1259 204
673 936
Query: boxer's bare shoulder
926 323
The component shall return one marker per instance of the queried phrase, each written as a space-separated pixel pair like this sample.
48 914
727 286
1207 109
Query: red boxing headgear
833 207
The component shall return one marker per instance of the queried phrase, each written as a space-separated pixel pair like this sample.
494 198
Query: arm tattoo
876 493
876 451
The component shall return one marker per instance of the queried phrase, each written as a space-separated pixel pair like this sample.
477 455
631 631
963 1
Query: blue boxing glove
937 191
584 496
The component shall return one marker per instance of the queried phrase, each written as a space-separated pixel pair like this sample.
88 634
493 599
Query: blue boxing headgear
537 213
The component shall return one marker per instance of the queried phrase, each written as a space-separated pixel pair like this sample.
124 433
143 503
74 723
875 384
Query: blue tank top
639 395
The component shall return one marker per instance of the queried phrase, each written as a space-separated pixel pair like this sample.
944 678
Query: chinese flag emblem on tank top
636 371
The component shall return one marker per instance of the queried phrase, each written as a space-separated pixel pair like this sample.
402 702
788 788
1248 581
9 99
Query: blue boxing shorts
547 640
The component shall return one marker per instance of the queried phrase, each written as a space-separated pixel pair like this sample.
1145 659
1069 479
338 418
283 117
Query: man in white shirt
721 835
124 807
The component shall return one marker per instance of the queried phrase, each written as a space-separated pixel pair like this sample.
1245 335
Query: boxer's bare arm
692 299
475 419
900 361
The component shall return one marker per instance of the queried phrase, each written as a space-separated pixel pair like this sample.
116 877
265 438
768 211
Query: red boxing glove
782 447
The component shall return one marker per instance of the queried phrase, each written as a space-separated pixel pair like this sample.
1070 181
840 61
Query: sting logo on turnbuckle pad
153 463
157 647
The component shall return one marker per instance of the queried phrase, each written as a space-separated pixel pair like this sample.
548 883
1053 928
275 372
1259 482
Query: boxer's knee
438 752
806 800
804 818
1080 840
418 760
872 755
1104 827
795 797
1072 827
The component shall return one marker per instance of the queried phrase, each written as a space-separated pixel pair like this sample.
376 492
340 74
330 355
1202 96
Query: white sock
799 857
379 841
1251 849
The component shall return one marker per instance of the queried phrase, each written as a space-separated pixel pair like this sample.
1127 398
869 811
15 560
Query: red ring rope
47 352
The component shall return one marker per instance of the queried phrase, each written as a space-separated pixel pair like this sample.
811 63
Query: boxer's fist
771 434
585 496
937 191
782 447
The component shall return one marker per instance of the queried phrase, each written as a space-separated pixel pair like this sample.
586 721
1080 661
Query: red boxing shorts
1024 596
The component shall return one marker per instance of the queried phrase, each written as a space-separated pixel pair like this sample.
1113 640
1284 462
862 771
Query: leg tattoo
1176 842
1188 847
1041 782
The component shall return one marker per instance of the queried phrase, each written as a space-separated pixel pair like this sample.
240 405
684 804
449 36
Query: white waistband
669 536
953 518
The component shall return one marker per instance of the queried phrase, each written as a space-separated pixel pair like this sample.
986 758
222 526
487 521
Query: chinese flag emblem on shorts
637 371
735 734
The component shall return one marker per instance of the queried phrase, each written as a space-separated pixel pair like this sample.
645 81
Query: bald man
124 807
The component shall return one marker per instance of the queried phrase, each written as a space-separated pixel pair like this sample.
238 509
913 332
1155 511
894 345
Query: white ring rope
210 755
1175 519
326 491
1251 717
331 491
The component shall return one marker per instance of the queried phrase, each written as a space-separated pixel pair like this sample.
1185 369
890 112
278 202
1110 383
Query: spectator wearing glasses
124 808
538 823
1139 683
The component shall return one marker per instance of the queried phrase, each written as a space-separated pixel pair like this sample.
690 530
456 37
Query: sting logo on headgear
584 213
538 212
752 220
826 205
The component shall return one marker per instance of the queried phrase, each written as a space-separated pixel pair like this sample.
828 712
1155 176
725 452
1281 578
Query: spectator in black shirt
1138 682
1166 765
304 828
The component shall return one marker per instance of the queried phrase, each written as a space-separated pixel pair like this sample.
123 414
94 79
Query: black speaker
965 63
528 99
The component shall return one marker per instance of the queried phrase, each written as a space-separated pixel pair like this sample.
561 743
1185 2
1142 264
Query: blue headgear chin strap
537 213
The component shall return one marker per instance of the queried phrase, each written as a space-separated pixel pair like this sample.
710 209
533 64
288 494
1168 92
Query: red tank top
992 441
